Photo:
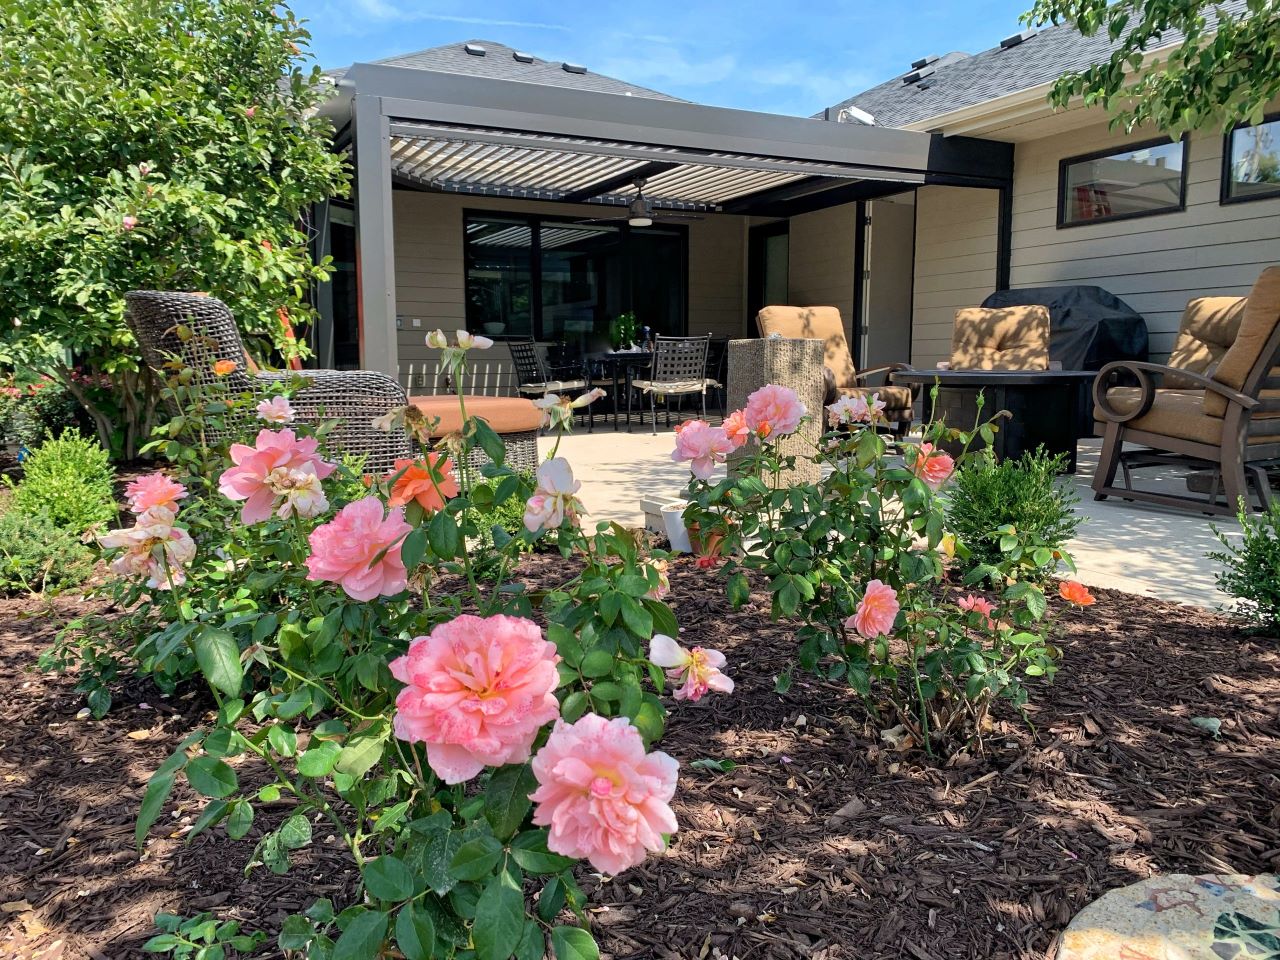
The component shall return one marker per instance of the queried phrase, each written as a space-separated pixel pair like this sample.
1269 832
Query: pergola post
375 242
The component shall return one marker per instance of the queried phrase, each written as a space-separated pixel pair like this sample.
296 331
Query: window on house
566 281
1134 182
1251 162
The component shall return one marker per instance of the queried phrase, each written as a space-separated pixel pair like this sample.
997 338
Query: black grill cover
1088 326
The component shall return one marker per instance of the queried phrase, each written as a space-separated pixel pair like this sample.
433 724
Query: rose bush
863 559
467 741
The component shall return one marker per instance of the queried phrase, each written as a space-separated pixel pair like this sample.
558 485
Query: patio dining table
618 365
1044 405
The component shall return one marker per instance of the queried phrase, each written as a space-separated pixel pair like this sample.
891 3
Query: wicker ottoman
515 419
789 363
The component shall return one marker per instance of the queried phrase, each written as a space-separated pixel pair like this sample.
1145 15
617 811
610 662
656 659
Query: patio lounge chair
1217 409
842 379
353 397
1000 338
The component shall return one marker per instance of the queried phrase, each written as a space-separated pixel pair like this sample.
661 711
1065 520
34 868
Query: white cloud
381 10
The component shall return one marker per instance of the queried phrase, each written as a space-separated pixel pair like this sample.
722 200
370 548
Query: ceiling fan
640 212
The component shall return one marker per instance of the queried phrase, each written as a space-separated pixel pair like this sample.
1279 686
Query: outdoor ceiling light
638 212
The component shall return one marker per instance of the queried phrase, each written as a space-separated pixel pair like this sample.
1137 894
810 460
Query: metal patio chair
354 398
679 369
536 376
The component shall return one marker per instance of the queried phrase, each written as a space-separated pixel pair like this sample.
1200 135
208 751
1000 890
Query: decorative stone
1179 917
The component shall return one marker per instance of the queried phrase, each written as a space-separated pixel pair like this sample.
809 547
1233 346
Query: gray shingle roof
964 81
499 62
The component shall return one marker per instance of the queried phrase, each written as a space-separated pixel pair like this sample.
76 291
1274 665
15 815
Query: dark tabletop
991 378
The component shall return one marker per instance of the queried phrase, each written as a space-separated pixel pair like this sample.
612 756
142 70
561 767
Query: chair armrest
1143 371
886 368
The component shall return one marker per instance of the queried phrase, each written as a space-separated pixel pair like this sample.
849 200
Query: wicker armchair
355 398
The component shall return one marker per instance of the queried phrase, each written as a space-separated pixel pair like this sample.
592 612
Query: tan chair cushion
505 415
1174 413
897 399
813 323
1261 314
1001 338
1208 328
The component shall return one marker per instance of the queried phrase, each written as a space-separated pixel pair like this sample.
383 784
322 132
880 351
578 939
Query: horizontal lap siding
820 260
1156 263
955 263
431 278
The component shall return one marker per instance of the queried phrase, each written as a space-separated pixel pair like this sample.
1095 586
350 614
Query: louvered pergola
451 133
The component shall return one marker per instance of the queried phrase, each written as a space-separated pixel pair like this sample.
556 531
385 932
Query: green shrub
1028 494
36 555
30 412
68 479
1251 571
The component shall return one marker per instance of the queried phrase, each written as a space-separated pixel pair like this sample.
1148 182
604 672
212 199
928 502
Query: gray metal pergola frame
839 162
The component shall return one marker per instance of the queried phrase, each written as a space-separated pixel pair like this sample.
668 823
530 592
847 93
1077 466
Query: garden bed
820 843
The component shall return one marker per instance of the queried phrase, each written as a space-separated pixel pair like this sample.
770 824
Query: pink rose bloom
128 221
980 604
664 580
553 501
346 550
154 490
702 445
773 411
153 548
932 466
276 410
262 473
876 611
603 797
736 429
478 691
856 409
699 669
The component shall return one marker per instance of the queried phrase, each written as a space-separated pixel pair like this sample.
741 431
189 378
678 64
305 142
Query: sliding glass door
566 281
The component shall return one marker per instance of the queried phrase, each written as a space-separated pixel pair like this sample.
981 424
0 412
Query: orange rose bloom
430 483
1076 593
224 367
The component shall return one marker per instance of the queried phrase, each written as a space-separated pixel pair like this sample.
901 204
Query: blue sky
782 56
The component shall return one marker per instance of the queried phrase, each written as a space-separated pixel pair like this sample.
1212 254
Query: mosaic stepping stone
1180 917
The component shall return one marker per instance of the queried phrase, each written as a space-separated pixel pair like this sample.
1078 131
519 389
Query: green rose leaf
574 943
387 878
319 761
476 858
506 799
211 777
500 919
362 940
218 656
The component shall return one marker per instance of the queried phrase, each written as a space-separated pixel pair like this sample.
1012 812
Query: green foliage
152 145
202 937
820 544
1251 569
37 556
70 480
1224 70
31 411
989 502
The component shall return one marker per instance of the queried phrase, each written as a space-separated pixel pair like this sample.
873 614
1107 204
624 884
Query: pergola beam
618 181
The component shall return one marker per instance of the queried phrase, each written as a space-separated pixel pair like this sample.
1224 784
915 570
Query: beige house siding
821 268
430 276
1154 263
955 263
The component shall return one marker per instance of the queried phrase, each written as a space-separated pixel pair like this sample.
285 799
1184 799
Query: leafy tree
163 144
1221 70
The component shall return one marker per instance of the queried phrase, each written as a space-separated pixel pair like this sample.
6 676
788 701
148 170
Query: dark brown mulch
819 844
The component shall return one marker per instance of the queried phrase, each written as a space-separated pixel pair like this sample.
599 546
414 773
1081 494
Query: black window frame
1224 197
1066 162
534 220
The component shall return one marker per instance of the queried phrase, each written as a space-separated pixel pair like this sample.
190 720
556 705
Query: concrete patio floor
1137 548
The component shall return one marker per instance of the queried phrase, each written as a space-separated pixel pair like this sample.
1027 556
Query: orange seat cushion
505 415
1001 338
